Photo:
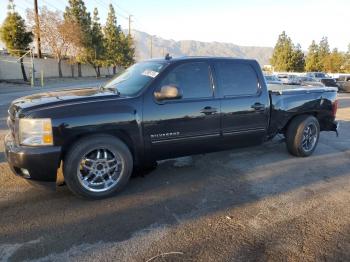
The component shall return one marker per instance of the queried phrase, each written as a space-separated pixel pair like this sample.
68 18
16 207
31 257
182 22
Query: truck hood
57 98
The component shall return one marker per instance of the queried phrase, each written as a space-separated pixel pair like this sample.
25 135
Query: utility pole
37 27
130 21
151 46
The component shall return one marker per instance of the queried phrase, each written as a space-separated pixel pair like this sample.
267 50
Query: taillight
334 108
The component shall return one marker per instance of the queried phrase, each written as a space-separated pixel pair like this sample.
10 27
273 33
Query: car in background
344 83
273 79
309 81
329 82
325 79
317 75
289 79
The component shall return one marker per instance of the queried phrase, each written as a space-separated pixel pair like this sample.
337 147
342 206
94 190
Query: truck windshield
133 79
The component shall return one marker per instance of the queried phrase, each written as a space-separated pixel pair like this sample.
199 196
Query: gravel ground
252 204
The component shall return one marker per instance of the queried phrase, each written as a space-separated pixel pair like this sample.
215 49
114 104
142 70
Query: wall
10 70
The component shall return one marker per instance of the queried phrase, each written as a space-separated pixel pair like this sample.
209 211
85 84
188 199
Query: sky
242 22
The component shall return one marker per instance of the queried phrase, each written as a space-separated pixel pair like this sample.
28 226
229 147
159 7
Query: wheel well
120 134
314 114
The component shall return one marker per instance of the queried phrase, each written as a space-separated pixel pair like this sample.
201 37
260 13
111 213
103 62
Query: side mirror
168 92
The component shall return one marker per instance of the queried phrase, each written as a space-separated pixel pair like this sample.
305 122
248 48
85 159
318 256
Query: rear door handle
208 110
258 107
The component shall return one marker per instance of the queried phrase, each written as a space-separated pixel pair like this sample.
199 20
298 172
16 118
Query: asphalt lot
253 204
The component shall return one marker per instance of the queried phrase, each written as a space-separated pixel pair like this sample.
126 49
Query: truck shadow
203 185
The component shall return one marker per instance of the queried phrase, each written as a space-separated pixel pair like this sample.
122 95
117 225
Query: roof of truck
187 58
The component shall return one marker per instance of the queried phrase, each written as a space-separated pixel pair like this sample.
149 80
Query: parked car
323 78
272 79
155 110
309 81
329 82
344 83
317 75
289 79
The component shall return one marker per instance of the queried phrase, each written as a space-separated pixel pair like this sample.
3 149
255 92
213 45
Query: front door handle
208 110
258 107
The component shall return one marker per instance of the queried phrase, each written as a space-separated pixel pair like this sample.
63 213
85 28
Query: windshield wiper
114 89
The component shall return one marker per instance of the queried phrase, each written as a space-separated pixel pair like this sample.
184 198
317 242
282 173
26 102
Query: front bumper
33 163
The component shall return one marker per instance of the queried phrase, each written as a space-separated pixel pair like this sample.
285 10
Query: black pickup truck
155 110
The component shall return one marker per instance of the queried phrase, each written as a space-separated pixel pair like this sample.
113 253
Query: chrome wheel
309 137
100 170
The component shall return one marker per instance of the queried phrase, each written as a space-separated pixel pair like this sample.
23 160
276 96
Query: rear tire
302 136
97 166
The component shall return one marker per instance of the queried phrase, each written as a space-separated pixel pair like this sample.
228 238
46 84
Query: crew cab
159 109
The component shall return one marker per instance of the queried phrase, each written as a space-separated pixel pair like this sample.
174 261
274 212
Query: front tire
97 166
302 135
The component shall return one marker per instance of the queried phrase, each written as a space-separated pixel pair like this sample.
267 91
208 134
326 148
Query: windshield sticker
150 73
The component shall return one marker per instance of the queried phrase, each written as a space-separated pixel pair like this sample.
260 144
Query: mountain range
161 46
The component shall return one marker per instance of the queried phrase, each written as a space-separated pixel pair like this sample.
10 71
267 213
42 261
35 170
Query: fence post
32 78
42 78
33 70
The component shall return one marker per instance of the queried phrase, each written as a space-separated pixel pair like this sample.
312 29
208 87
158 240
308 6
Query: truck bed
294 89
288 101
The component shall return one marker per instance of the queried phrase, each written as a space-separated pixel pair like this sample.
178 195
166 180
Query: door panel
184 126
242 124
244 105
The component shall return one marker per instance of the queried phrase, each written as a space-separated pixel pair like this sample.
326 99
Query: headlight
35 132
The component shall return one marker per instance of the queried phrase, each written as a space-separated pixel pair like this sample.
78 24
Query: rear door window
236 79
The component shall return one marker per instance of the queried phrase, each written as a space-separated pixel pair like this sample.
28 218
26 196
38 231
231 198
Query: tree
15 36
97 39
128 50
298 59
76 12
334 62
347 61
323 52
282 53
57 35
287 57
112 39
312 63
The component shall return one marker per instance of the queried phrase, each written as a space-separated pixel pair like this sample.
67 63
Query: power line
53 6
21 8
120 13
45 3
122 8
102 5
25 6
